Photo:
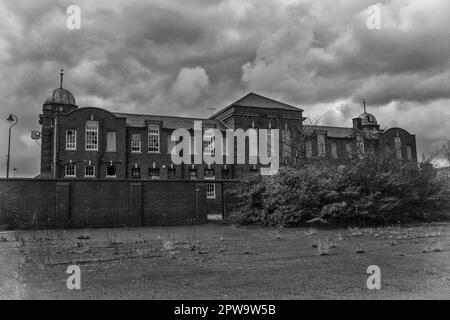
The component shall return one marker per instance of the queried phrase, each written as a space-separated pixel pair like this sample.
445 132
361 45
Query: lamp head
10 118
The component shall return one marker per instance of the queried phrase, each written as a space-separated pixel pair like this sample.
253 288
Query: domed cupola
365 120
60 100
60 96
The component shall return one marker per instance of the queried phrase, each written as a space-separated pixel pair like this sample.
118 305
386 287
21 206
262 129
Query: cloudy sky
182 57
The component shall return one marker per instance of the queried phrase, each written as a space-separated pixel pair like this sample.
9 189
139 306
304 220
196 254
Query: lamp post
11 119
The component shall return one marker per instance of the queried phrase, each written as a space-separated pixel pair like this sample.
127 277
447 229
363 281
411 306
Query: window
348 149
89 171
225 173
208 142
153 174
210 174
408 152
192 174
92 135
308 149
110 171
321 145
286 140
111 141
135 173
211 191
172 173
135 142
153 139
70 171
398 147
334 153
71 140
369 119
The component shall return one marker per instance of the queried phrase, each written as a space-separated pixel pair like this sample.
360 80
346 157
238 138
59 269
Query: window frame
95 131
211 191
114 133
138 146
74 171
135 169
191 177
209 148
93 171
74 143
154 177
154 131
115 171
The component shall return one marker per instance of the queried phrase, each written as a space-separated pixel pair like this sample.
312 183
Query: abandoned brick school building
95 143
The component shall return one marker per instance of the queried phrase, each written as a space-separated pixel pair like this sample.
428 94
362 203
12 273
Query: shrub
365 191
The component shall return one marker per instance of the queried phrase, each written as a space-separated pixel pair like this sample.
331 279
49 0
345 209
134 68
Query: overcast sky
183 57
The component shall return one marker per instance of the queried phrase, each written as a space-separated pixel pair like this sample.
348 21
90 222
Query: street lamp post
11 119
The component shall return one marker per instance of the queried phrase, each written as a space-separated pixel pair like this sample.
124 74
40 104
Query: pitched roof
335 132
168 122
259 101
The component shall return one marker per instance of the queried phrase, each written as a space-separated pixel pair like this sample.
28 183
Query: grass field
224 262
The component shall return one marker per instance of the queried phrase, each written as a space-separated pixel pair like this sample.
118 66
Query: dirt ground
225 262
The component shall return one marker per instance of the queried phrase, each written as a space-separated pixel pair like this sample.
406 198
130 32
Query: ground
225 262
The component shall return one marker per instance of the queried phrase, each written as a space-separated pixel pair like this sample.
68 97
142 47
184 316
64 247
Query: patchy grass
223 262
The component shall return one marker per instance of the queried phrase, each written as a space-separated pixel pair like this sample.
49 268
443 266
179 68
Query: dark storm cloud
179 57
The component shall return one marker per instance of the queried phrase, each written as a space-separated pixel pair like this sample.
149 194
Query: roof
258 101
60 96
335 132
168 122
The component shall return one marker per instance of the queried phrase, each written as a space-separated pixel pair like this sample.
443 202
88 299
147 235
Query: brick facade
81 203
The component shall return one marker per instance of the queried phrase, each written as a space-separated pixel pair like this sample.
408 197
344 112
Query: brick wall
100 203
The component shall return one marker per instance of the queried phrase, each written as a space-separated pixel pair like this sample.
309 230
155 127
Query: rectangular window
334 153
349 151
111 141
135 173
153 174
286 140
208 142
210 174
398 148
211 191
192 174
70 171
135 142
408 152
170 144
308 149
92 135
321 145
225 173
89 172
110 171
71 140
153 139
172 173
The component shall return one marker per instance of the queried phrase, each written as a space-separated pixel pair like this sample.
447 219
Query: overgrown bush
364 191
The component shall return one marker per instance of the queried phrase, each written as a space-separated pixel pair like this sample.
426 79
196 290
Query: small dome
60 96
367 119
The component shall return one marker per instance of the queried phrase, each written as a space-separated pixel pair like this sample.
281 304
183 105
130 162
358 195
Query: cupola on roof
60 95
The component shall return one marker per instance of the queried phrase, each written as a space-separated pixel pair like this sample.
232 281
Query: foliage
364 191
